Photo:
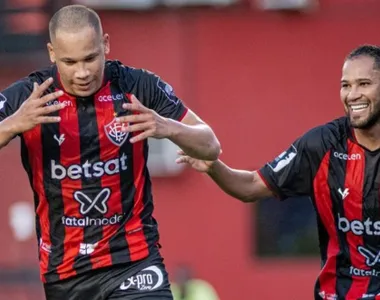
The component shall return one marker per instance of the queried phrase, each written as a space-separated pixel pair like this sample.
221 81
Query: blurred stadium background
260 73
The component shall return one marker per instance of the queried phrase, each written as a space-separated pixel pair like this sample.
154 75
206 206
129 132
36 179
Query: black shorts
143 280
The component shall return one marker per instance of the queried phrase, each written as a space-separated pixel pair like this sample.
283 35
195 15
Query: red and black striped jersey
342 178
91 186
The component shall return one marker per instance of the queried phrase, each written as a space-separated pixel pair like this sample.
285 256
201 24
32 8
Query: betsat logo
358 227
89 170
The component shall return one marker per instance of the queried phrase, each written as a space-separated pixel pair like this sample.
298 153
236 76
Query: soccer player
84 123
338 166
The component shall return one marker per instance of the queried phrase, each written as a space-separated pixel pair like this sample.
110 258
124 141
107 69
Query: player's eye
90 59
69 62
365 83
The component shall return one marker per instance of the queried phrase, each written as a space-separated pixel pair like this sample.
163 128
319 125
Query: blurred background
260 73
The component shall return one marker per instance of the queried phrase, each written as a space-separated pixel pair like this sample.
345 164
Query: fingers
50 109
46 120
38 90
183 160
135 105
50 97
181 152
141 136
135 118
137 127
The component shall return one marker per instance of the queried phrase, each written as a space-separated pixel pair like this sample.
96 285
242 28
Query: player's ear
51 53
106 43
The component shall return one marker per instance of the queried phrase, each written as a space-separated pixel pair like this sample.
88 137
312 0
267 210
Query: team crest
115 134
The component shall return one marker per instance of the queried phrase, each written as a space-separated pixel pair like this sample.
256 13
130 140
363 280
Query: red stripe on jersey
183 115
34 144
323 201
101 256
267 184
353 210
138 245
70 154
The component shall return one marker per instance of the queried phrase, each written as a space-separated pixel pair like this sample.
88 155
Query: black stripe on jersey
119 248
323 238
371 207
150 224
336 183
26 164
53 192
90 153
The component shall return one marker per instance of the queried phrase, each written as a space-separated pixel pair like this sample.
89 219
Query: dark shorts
143 280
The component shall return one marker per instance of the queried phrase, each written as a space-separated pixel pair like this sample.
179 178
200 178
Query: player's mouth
358 108
84 86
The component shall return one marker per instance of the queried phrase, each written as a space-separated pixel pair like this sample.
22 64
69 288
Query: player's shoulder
17 92
130 73
13 95
325 136
24 85
333 131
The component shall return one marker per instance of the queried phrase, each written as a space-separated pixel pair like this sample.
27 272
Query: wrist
173 128
10 126
212 165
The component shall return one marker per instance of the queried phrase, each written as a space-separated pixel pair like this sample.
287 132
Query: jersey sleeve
163 99
12 97
291 173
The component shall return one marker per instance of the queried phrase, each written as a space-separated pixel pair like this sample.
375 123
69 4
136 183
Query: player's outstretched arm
246 186
32 112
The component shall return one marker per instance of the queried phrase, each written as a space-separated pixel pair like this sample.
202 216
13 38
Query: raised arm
16 119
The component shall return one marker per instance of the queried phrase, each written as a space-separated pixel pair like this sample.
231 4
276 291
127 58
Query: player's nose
354 94
82 72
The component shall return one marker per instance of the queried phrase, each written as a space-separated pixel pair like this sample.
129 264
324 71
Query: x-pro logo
98 203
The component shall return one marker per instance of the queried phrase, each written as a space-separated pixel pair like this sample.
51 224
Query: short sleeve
12 97
292 172
163 99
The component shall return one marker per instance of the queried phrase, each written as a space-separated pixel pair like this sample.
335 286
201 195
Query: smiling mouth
358 107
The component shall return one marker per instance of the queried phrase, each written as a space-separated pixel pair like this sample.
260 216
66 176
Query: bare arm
7 132
246 186
195 137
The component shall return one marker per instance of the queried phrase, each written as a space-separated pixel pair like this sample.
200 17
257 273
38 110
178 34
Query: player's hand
197 164
34 110
144 120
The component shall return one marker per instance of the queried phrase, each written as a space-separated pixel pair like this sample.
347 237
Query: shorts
144 280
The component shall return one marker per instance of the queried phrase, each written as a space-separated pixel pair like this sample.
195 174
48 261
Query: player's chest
349 186
86 126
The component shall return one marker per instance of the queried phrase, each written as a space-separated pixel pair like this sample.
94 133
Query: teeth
357 107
